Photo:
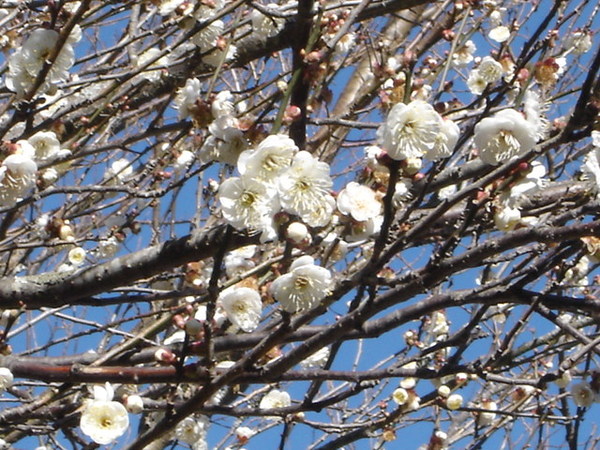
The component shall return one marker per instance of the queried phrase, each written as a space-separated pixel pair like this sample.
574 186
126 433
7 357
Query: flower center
247 199
301 282
106 422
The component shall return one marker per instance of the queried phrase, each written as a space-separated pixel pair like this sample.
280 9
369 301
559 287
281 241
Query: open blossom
304 190
264 26
499 34
25 64
6 379
400 396
445 141
359 202
226 141
17 176
45 144
275 399
119 171
247 203
187 96
409 130
242 306
464 55
490 70
476 83
579 42
583 394
103 419
151 70
269 159
303 287
191 430
503 136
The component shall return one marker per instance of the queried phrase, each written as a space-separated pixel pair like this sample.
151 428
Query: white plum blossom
46 145
243 434
6 379
304 190
454 401
76 256
151 71
263 25
246 203
298 233
532 181
363 230
269 159
507 217
243 307
409 130
103 419
487 417
583 394
564 379
596 138
191 430
303 287
225 143
400 396
499 34
17 177
134 404
359 202
445 141
119 171
490 70
187 96
476 83
107 247
275 399
25 64
464 55
239 260
503 136
579 42
184 160
317 359
534 113
206 39
166 7
222 104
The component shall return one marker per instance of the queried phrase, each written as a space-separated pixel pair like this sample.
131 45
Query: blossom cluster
275 176
19 170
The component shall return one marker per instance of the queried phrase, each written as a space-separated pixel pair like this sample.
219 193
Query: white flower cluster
19 169
193 431
25 64
275 176
226 140
416 130
489 71
507 212
263 25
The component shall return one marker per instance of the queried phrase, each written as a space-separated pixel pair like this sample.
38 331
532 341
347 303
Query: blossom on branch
503 136
410 130
103 419
303 287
